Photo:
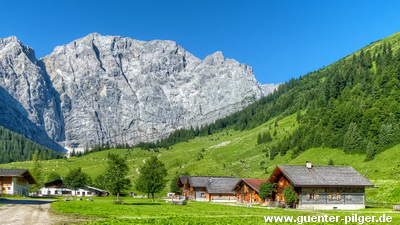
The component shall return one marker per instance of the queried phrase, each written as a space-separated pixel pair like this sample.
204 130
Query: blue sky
279 39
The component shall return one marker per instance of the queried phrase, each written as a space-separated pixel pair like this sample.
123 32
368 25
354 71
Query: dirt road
30 212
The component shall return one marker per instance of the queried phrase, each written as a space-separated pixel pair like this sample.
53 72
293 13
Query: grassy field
235 153
143 211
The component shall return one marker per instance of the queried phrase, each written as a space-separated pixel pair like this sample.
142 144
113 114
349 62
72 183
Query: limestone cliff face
101 89
28 101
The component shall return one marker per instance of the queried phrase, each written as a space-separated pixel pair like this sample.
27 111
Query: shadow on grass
24 201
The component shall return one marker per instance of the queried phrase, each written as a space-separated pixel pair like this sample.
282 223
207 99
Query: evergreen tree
259 139
152 177
371 151
385 134
267 137
298 116
352 139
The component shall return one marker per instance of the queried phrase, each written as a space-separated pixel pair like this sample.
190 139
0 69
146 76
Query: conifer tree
370 154
352 139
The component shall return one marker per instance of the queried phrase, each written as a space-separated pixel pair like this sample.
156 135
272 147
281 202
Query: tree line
15 147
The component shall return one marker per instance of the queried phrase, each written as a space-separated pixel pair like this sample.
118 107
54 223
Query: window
55 192
312 196
202 195
334 196
220 196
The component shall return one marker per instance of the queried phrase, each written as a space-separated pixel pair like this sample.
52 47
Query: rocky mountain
28 102
100 89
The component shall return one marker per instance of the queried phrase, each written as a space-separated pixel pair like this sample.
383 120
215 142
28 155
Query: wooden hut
321 187
208 188
247 191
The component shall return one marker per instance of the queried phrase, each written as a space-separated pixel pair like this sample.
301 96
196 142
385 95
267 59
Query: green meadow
236 153
144 211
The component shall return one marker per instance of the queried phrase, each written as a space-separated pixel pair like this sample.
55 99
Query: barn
208 188
321 187
247 191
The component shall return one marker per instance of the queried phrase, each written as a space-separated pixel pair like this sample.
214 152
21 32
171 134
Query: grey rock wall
100 89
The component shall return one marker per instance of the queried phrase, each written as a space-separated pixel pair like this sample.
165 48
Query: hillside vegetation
236 153
351 104
16 147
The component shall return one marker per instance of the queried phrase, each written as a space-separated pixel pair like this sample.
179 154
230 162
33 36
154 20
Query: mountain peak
216 57
9 40
94 35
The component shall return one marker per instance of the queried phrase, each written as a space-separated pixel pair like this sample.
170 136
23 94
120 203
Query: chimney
308 164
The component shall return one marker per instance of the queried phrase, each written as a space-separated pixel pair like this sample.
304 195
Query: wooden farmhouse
58 188
15 181
247 191
321 187
208 188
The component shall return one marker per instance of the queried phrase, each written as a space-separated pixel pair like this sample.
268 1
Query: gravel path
30 212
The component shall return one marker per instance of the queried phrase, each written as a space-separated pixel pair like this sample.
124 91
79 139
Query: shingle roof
254 183
183 179
18 173
324 176
213 184
222 185
12 172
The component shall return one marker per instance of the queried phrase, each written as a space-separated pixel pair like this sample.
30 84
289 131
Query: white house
15 181
58 188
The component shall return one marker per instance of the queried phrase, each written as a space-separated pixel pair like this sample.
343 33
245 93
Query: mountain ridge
100 89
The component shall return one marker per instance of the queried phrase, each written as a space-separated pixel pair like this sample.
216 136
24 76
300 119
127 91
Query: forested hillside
351 104
15 147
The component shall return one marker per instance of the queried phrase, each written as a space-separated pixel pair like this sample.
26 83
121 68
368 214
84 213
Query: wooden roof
255 183
251 182
18 173
58 183
213 184
320 176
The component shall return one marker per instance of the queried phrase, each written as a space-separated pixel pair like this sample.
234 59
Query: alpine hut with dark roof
321 187
15 181
247 191
208 188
